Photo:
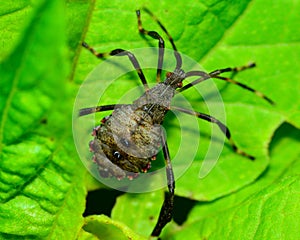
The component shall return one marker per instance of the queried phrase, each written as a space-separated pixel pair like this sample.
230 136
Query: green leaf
42 189
12 22
141 217
42 181
286 137
268 214
27 87
273 46
102 227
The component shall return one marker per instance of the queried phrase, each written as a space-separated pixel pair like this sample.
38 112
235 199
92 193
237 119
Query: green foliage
43 184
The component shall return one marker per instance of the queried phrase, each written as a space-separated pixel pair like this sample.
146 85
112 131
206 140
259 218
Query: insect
126 141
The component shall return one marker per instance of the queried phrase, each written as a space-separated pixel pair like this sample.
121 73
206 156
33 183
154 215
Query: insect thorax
156 101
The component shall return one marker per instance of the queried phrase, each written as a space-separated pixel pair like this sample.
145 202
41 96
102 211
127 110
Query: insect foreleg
121 52
86 111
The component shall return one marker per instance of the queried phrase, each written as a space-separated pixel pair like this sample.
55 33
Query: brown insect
128 140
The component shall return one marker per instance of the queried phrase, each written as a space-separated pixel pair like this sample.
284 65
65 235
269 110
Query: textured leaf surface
42 181
102 227
269 214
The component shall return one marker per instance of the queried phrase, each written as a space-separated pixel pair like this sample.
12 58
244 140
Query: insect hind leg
166 212
222 127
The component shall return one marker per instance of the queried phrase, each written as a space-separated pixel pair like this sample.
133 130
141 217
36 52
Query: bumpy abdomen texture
129 139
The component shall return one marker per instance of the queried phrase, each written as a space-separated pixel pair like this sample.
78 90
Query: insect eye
168 74
117 154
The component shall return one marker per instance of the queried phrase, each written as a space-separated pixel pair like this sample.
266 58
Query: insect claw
84 44
251 65
240 152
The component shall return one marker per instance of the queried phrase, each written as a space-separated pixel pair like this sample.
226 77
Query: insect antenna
177 55
258 93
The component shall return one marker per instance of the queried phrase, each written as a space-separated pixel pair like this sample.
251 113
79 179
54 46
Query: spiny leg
222 127
215 74
121 52
86 111
166 212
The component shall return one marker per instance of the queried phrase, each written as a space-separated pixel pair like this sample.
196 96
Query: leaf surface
43 183
42 190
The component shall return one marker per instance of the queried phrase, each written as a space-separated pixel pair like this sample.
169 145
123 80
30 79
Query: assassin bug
128 140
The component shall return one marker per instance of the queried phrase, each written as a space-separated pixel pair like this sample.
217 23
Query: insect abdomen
129 139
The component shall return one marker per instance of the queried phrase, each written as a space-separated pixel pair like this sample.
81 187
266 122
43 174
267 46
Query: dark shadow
284 131
182 208
101 201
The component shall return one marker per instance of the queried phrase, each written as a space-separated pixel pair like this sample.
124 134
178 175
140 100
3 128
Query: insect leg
121 52
222 127
86 111
166 212
215 74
